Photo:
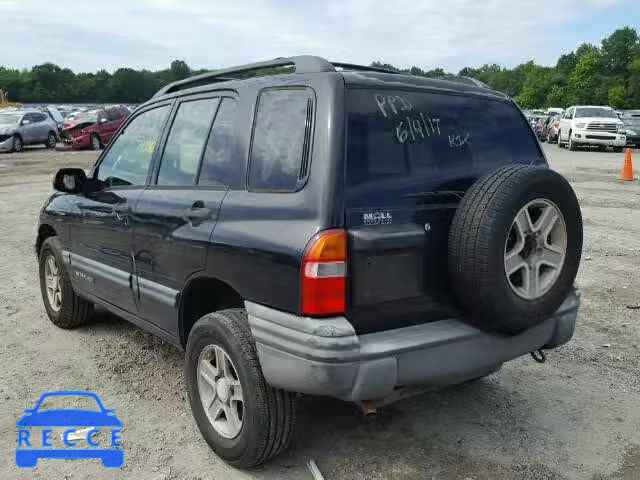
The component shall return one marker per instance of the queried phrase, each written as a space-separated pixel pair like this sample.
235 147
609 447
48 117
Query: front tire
64 307
245 421
51 140
95 143
17 144
618 149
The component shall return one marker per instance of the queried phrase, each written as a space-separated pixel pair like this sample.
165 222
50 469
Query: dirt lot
577 416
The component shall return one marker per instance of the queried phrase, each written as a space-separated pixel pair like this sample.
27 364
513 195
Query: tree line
605 74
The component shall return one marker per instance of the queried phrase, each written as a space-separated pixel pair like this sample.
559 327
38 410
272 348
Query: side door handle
121 213
197 213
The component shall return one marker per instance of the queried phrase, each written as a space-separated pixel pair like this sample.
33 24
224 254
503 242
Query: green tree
617 96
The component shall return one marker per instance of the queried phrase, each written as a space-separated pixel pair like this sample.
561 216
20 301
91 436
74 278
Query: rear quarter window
281 139
408 137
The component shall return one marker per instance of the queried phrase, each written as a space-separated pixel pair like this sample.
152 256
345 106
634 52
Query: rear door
42 126
411 156
175 216
114 120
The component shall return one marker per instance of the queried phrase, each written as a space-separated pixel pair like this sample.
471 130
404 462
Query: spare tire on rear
514 247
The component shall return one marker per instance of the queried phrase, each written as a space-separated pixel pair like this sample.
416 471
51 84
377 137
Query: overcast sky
89 35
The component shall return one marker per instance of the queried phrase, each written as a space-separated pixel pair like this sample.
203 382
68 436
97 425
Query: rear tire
64 307
511 281
51 140
267 414
573 146
559 140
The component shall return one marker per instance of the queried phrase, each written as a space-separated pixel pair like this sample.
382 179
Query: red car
94 128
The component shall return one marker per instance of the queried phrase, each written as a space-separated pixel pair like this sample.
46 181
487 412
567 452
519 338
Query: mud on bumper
326 357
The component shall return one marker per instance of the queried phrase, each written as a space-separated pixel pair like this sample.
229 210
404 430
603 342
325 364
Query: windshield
583 112
10 118
91 116
407 139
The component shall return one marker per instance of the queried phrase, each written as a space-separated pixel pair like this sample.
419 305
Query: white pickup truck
591 125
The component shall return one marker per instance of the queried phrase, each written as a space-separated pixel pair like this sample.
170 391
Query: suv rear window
408 139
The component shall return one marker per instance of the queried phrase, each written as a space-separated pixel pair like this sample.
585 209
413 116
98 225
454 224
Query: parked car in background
26 127
555 111
55 115
591 125
551 128
631 122
537 123
94 128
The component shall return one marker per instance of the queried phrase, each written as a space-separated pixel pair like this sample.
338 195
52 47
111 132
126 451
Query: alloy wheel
52 279
220 391
535 249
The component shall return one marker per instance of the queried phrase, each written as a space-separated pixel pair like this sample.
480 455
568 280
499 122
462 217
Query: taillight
323 280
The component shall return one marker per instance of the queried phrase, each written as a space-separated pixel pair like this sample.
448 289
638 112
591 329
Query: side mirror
70 180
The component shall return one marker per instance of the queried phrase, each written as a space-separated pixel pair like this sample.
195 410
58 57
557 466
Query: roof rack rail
466 80
364 68
302 64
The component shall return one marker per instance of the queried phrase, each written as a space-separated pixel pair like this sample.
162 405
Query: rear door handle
198 212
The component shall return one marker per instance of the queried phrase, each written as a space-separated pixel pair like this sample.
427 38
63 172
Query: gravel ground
577 416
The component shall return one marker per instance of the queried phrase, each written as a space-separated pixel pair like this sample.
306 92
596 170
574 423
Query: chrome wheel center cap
222 390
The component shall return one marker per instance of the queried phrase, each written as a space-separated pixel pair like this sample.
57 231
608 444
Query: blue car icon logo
82 426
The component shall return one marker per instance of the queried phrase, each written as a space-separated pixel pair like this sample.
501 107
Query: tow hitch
539 356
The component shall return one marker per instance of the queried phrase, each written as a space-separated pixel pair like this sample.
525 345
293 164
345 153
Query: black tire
95 142
478 238
269 414
618 149
572 146
559 140
52 139
17 144
74 310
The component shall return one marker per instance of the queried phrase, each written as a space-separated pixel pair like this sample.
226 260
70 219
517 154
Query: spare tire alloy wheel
514 247
220 391
535 249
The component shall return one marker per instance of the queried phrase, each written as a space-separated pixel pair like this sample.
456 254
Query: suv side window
281 139
218 165
182 153
570 113
102 114
127 160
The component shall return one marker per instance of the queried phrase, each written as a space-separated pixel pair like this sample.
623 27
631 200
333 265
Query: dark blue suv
307 227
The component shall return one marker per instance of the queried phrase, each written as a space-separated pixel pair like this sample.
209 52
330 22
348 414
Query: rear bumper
326 357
